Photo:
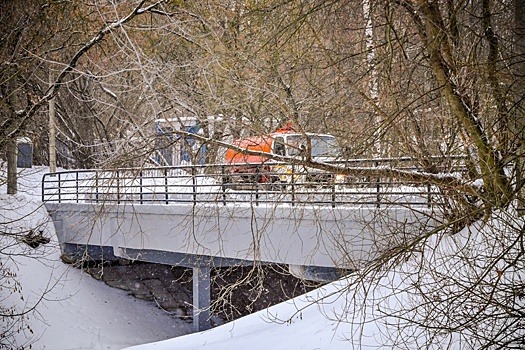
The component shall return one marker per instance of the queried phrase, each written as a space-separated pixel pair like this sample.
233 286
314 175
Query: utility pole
52 130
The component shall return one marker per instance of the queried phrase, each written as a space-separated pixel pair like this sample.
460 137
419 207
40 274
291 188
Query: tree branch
31 109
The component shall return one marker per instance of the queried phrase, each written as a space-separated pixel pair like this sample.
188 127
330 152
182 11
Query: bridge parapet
343 237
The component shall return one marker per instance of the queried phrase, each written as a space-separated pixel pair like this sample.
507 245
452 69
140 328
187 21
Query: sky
358 312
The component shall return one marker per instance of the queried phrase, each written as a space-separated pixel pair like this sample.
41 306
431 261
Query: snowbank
68 309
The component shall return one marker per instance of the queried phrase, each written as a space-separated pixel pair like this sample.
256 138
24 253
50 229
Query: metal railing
247 183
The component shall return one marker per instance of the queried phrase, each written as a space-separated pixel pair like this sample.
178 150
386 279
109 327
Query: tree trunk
496 185
518 126
371 62
11 166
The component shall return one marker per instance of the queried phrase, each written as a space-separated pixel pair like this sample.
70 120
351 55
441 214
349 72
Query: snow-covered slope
73 310
461 282
302 323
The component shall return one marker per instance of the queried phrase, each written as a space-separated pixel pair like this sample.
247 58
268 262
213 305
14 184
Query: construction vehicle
285 145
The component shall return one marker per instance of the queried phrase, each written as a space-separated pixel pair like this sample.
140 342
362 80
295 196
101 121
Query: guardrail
271 182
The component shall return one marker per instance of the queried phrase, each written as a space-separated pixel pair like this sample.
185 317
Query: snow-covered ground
381 311
73 310
456 292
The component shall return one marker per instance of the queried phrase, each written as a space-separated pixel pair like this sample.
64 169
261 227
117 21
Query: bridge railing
256 184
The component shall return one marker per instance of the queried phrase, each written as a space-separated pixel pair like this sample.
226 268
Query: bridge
203 217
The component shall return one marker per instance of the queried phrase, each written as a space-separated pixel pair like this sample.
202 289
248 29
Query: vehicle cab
284 142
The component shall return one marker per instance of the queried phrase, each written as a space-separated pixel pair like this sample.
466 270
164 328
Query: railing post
293 184
166 186
42 187
141 190
118 187
76 187
333 193
96 187
59 188
378 188
258 177
223 176
429 198
194 183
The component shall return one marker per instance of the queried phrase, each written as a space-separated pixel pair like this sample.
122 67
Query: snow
77 311
362 311
301 323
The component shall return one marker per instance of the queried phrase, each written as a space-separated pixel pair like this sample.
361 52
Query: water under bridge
198 217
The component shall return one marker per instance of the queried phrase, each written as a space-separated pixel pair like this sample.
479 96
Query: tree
30 44
457 58
445 89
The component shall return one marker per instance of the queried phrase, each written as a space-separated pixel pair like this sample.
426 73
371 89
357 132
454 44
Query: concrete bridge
190 216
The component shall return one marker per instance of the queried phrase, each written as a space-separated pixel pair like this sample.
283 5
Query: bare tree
446 89
30 45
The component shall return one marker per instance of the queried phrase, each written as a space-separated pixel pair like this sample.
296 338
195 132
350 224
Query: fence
272 182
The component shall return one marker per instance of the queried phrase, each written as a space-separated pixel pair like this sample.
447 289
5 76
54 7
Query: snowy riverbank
72 310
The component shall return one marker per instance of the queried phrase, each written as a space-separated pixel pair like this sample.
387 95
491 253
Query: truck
286 142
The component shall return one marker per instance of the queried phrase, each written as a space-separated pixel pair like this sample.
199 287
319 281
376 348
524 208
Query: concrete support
200 265
201 298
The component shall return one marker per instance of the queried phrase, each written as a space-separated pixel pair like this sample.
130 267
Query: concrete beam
309 236
178 259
